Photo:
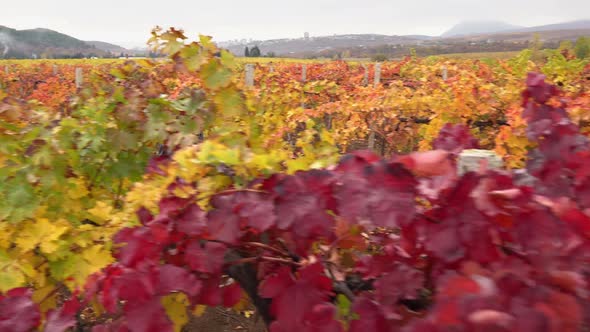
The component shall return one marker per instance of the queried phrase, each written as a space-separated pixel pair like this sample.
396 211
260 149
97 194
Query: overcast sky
128 22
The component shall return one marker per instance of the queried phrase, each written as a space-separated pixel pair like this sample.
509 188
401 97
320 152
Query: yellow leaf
97 257
144 194
211 184
11 278
77 188
97 307
6 235
175 306
46 297
101 212
243 303
42 233
265 162
213 152
199 310
295 165
184 191
27 268
10 274
327 137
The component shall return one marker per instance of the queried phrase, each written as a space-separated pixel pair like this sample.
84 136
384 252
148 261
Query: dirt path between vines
224 320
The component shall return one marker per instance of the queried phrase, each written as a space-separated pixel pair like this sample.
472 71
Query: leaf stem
265 247
263 258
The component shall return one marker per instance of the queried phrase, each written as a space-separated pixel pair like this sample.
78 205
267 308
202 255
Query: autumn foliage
243 204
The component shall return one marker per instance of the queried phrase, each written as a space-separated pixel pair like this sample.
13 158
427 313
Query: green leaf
229 101
213 152
193 56
343 304
215 76
17 199
228 60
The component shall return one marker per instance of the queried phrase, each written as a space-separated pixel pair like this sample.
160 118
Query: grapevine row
246 198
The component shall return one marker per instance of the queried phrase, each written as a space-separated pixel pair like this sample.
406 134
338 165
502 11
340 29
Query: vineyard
319 196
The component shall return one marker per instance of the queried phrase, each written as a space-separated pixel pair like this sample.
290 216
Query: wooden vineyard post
303 73
328 121
303 80
79 78
444 73
54 70
471 160
6 69
376 82
249 72
371 144
365 75
377 75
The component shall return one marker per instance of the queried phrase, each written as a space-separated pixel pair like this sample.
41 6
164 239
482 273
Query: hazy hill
46 43
473 28
323 43
468 29
108 47
466 37
485 36
573 25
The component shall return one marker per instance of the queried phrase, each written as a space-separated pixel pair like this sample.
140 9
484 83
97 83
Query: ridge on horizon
44 41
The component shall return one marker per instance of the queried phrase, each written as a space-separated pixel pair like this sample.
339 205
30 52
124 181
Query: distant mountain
288 47
484 36
107 47
479 27
45 43
573 25
469 29
509 38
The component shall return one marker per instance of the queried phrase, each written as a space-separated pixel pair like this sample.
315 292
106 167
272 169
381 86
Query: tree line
255 52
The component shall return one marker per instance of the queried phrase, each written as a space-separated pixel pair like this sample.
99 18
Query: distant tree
566 48
582 48
379 57
536 45
255 52
565 45
271 55
247 52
